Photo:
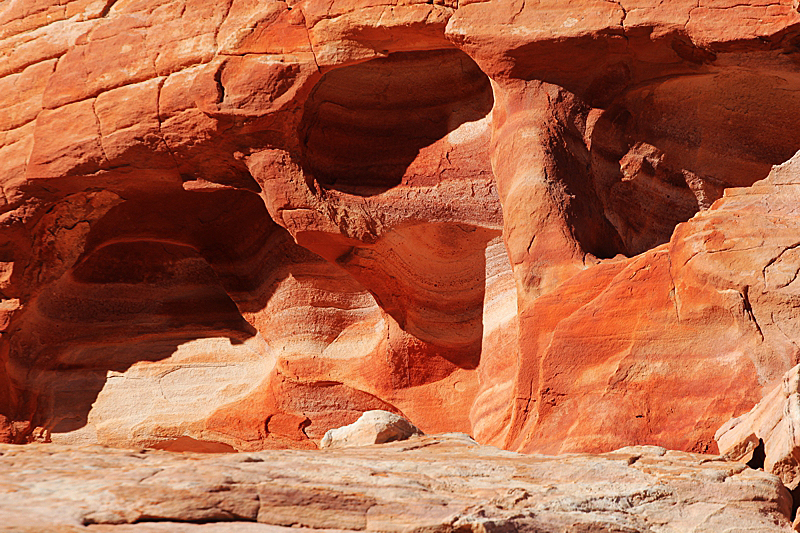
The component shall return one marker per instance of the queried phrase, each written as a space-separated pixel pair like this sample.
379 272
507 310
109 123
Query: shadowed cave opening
159 271
419 119
171 292
364 125
667 148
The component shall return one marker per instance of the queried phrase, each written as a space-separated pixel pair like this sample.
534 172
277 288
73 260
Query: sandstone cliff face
234 225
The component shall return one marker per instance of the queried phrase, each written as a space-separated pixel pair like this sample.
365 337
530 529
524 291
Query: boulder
373 427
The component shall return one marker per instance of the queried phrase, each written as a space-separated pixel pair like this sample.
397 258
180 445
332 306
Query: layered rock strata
234 225
437 483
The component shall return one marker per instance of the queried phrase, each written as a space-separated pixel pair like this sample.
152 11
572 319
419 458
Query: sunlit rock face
440 482
235 225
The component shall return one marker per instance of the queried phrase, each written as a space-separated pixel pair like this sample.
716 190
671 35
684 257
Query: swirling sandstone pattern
231 224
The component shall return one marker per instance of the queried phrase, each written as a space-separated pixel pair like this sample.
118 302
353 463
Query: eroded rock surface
234 225
709 312
435 483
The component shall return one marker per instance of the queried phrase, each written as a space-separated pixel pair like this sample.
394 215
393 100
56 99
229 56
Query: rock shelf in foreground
433 484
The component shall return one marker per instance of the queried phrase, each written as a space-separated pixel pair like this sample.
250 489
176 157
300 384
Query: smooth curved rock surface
234 225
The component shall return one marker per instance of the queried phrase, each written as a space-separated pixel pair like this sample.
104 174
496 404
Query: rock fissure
161 123
107 8
310 42
519 11
748 310
229 5
99 130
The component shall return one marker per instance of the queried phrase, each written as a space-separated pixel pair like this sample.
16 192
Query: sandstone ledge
432 483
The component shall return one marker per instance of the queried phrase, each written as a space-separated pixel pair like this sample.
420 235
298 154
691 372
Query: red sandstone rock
236 225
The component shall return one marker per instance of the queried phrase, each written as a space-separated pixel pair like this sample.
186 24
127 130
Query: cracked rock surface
432 483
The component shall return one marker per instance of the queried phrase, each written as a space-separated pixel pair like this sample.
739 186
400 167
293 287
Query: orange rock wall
230 224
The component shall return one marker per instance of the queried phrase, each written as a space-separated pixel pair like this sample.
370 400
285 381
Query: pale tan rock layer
235 225
767 435
437 483
373 427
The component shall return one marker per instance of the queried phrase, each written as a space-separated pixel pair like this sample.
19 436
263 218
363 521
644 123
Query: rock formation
432 483
373 427
234 225
767 436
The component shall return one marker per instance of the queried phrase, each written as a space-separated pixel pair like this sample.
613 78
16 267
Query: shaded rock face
234 225
436 483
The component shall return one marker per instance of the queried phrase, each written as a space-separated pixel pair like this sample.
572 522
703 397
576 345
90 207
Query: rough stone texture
436 483
768 433
373 427
230 224
688 322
